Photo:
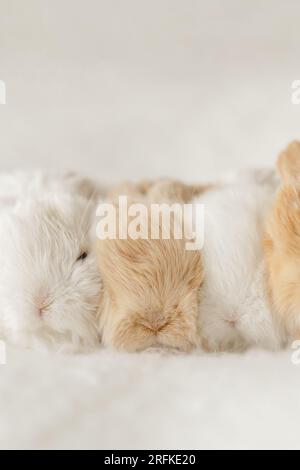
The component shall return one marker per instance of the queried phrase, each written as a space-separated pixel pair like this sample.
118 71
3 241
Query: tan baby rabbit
282 244
150 293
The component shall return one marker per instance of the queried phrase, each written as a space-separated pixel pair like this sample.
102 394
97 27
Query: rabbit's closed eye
83 256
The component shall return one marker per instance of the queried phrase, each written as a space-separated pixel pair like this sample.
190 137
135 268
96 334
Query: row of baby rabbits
239 290
64 289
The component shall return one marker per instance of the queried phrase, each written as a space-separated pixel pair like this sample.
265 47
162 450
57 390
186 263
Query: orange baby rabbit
282 245
150 293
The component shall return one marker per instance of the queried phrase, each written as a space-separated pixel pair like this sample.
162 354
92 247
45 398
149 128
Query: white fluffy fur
42 235
234 311
19 185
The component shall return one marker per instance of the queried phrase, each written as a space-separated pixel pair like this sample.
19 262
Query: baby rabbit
49 280
234 312
282 245
150 292
150 287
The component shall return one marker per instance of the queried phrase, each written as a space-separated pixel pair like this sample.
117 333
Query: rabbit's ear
84 186
168 190
289 164
135 191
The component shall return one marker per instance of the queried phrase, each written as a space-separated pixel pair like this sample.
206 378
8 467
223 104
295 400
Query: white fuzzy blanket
111 400
145 89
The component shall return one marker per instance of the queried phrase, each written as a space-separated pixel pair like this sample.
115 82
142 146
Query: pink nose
41 310
41 302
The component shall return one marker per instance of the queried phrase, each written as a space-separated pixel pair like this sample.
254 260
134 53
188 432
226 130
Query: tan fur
289 164
150 295
136 191
163 190
282 243
175 191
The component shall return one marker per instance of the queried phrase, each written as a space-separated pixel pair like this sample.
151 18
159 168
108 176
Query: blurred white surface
161 87
139 88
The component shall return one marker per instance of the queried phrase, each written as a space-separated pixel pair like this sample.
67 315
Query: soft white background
140 88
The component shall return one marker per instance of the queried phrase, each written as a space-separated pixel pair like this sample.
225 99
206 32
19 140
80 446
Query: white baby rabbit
49 281
234 310
47 298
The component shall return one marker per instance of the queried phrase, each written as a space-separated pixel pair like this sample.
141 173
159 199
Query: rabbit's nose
41 310
41 307
41 302
231 319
